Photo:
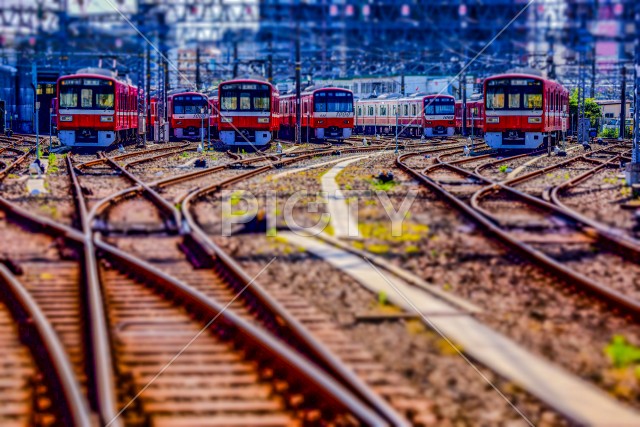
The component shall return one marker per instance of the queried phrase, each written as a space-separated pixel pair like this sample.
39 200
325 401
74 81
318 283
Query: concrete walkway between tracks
580 400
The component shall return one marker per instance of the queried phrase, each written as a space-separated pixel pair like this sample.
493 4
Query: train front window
104 100
189 104
439 106
514 100
68 99
522 94
245 97
495 97
87 94
533 101
333 102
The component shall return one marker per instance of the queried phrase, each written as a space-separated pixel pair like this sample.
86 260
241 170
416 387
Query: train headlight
320 122
493 119
104 119
535 119
263 120
346 122
226 119
66 118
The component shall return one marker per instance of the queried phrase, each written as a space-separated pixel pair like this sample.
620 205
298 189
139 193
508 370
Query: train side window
557 102
415 109
406 109
514 100
86 98
245 101
359 110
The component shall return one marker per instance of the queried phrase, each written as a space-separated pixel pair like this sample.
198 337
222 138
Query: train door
46 91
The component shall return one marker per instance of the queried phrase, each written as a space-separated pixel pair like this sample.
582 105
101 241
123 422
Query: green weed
382 298
382 186
621 353
503 168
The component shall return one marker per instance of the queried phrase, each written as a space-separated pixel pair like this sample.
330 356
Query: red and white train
326 113
249 112
415 115
524 111
475 117
185 111
188 114
96 109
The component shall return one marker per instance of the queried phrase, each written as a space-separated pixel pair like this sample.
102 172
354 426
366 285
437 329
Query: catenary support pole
633 169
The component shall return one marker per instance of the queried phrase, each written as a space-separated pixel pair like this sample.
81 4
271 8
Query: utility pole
270 59
148 89
198 78
298 65
623 103
633 170
235 59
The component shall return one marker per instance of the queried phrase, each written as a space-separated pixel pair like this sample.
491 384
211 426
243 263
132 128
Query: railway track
534 228
291 330
598 198
121 295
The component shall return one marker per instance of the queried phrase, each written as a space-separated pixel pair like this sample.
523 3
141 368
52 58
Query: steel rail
4 172
556 193
609 295
48 351
289 328
125 156
104 393
297 370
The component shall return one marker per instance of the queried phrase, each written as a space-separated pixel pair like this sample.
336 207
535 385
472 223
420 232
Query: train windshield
514 94
439 106
87 94
189 104
245 97
333 102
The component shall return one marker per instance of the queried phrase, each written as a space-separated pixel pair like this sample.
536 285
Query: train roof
520 76
262 82
186 92
398 97
98 73
311 90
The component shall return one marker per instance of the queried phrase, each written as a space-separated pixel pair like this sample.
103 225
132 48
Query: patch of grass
185 154
447 349
53 163
411 232
378 249
236 196
329 230
416 327
411 250
382 186
382 298
12 176
621 353
357 244
503 168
